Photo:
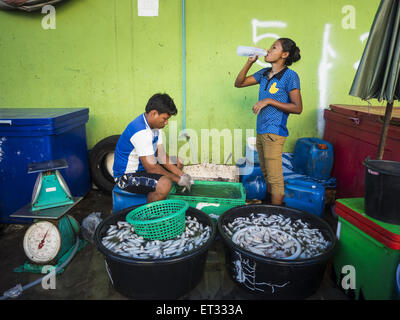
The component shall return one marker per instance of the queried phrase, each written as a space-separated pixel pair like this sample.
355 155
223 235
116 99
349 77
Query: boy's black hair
162 103
288 45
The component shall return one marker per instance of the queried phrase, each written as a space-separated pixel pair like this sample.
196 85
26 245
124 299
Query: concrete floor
85 278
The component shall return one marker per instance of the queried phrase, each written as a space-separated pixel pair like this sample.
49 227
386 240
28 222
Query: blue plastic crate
37 135
305 195
124 199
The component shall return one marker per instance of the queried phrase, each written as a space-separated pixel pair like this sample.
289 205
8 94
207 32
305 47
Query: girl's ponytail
288 45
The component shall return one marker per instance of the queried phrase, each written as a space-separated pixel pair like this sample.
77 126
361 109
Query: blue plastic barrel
256 188
313 157
252 179
38 135
305 195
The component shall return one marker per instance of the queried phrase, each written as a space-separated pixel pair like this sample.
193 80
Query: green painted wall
102 55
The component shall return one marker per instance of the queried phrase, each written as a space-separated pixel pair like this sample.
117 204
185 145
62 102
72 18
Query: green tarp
378 73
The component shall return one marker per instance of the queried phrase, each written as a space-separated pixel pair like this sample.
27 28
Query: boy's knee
164 185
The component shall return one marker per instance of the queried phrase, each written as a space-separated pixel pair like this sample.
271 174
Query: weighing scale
50 239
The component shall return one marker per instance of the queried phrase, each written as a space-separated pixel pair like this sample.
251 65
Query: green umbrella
378 73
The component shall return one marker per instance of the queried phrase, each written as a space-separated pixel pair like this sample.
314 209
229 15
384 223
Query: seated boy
136 168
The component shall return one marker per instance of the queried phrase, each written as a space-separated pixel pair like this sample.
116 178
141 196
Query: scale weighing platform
51 197
49 240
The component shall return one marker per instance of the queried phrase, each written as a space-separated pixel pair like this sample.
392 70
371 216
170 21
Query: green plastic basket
212 205
159 220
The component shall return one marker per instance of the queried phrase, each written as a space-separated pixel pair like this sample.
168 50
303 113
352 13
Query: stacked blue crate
306 174
289 173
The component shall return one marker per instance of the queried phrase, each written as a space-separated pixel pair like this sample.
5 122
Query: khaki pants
270 149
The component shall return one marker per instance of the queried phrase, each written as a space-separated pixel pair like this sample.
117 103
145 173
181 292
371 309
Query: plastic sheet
89 225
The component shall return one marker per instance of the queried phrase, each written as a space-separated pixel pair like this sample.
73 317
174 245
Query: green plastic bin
211 197
371 246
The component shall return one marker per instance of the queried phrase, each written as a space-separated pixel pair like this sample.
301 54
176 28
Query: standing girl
279 95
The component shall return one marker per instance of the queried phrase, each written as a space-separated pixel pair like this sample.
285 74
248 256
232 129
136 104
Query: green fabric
67 235
378 73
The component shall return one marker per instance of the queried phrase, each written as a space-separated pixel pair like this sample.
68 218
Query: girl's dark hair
288 45
162 103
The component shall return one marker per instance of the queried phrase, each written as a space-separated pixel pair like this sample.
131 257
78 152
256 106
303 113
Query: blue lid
39 121
305 183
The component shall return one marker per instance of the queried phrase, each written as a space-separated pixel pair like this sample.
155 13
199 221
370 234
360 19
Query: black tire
101 176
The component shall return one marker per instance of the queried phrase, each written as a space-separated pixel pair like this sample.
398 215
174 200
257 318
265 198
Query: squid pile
122 240
275 236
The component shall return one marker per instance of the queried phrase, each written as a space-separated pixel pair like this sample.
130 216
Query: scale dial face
42 242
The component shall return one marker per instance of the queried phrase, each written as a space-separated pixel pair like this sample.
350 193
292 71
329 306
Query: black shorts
138 182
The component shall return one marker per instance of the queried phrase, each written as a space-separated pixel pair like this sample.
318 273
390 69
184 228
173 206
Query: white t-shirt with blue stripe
137 140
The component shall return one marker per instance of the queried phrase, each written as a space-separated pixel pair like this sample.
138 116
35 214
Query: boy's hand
190 177
186 181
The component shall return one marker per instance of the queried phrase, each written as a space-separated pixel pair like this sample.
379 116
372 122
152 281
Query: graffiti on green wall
233 137
114 67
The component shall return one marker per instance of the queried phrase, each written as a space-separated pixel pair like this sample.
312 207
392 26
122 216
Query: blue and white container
305 196
38 135
252 178
255 186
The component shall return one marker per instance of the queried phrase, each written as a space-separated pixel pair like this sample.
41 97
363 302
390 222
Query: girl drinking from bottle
279 95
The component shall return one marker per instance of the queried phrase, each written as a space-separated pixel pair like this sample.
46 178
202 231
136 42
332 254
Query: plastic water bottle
250 51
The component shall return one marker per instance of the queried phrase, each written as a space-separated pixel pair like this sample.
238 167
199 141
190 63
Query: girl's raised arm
242 80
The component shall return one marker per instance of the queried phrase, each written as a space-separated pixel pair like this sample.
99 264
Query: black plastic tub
270 278
382 190
168 278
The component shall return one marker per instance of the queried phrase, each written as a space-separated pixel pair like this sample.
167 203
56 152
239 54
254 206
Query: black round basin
275 278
